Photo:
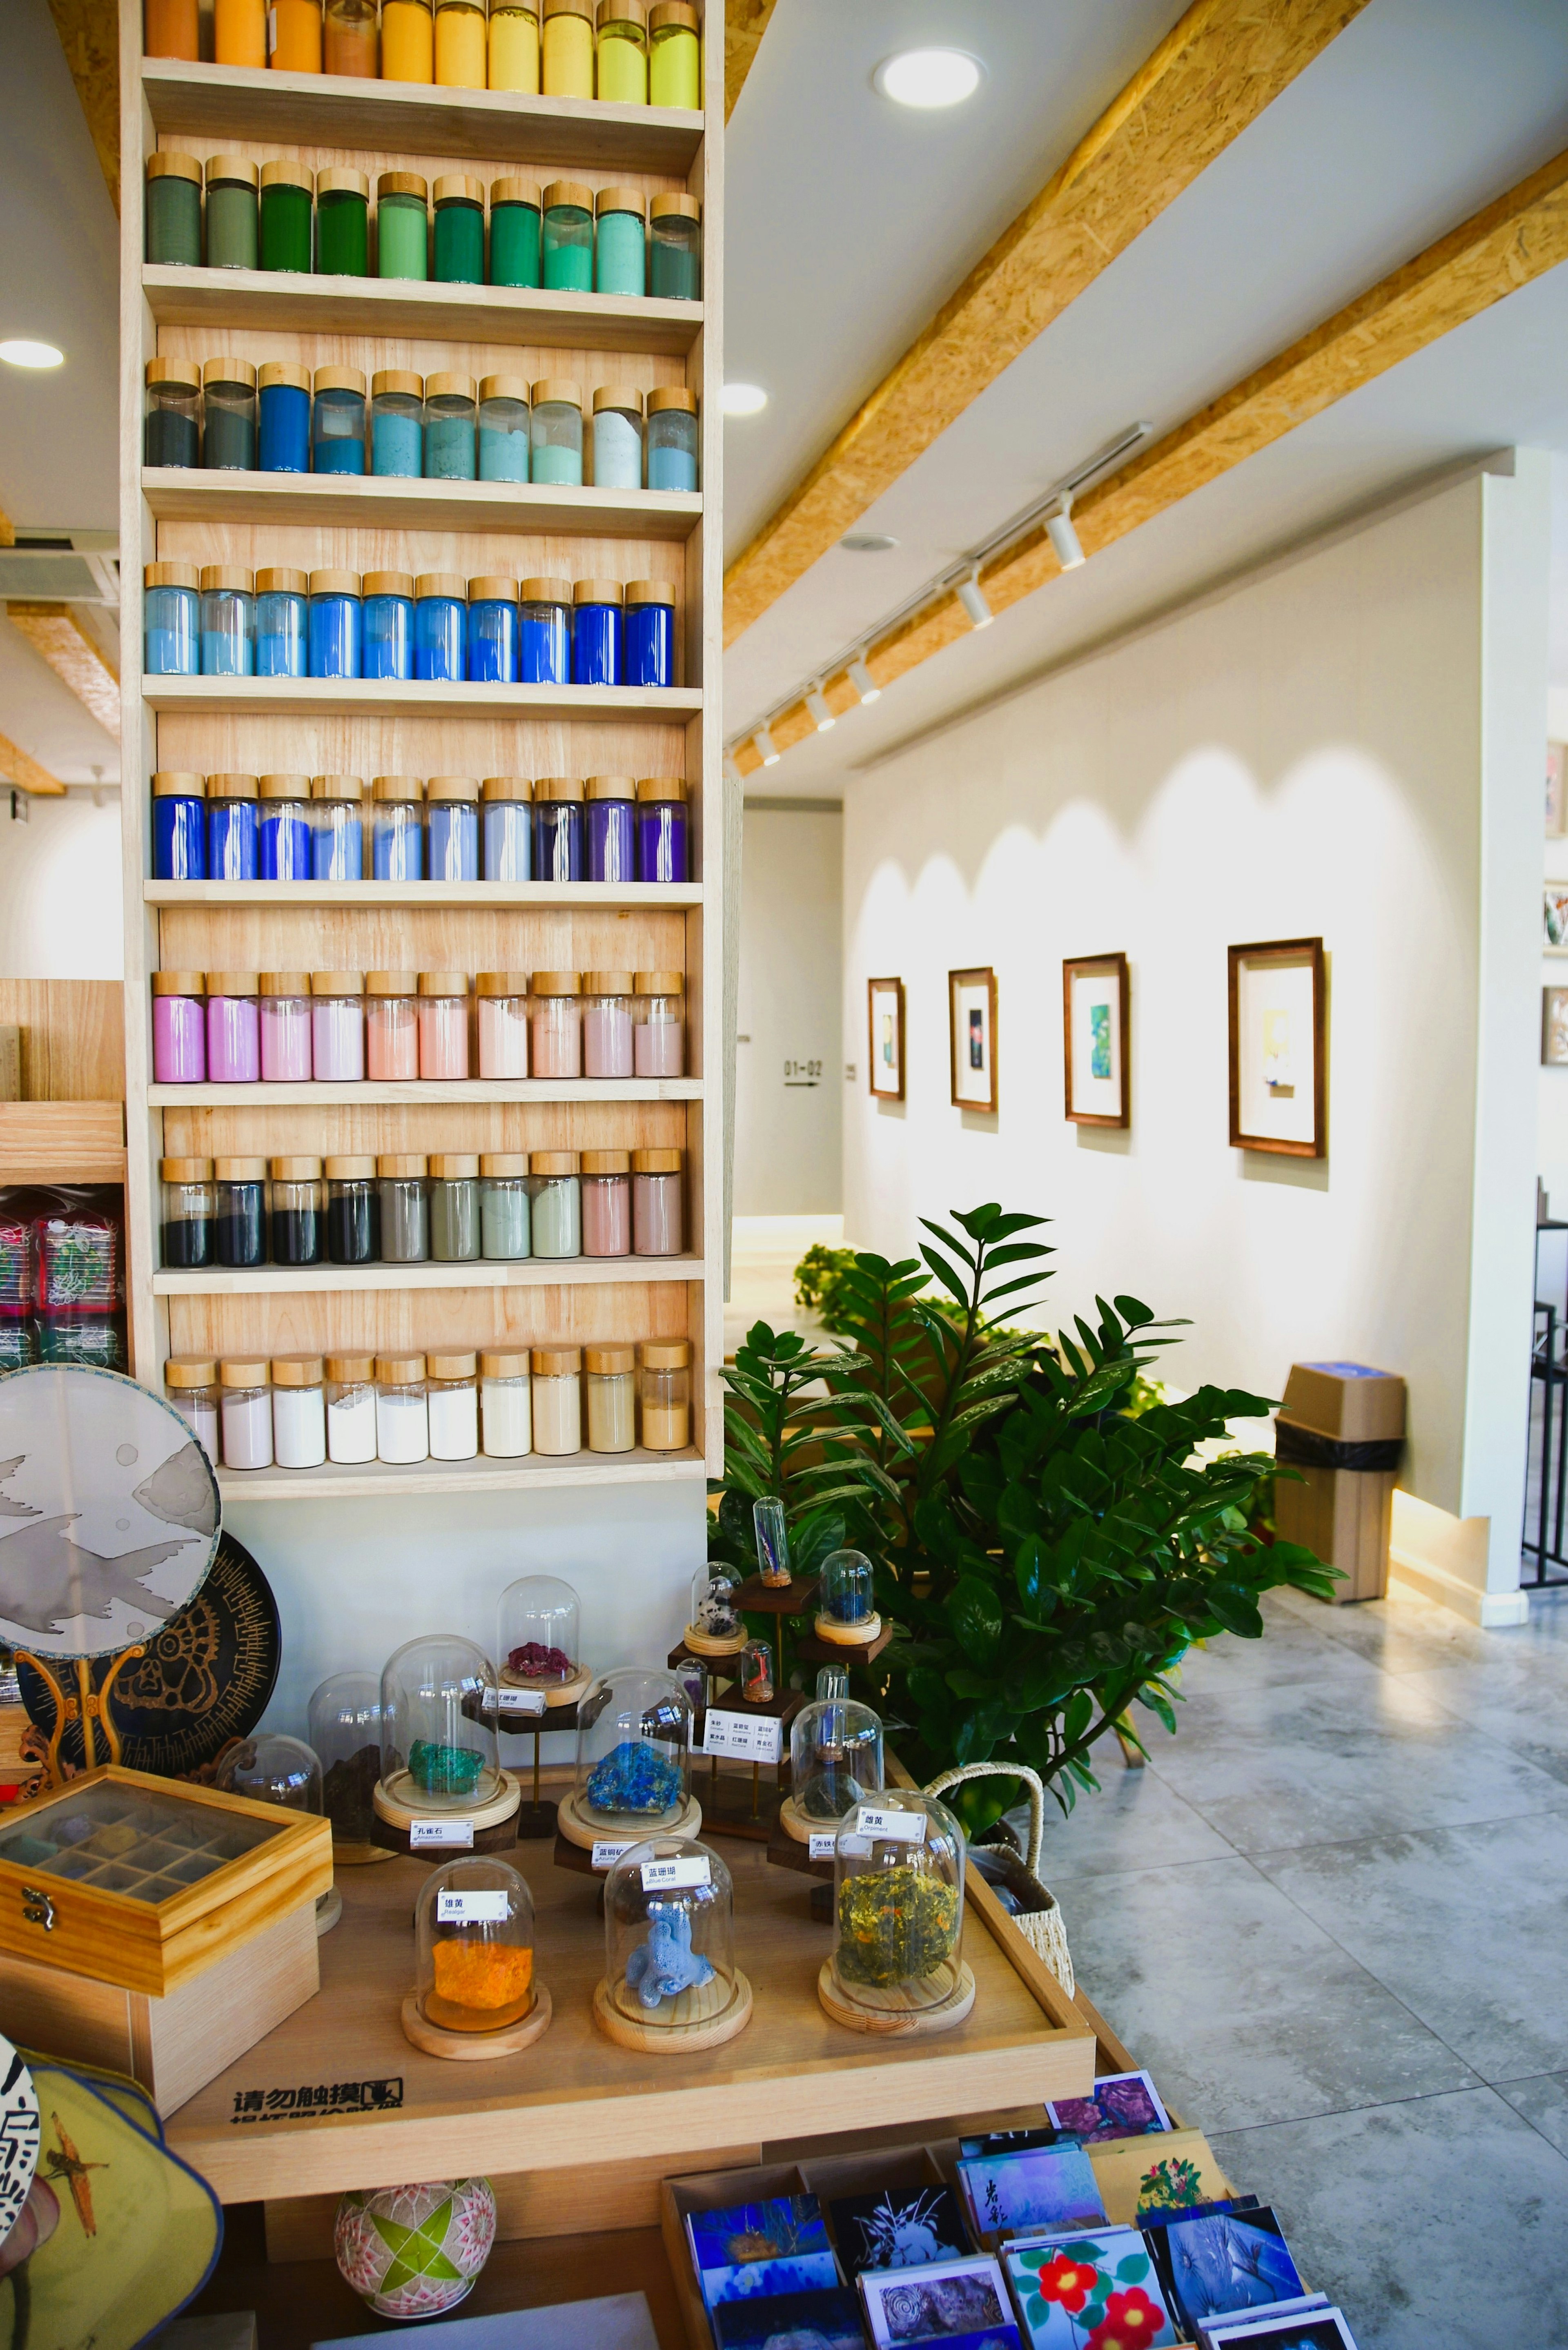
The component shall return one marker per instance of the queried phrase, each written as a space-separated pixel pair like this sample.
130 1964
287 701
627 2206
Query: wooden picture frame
971 1038
1278 1105
1096 1055
885 1028
1554 1028
1555 918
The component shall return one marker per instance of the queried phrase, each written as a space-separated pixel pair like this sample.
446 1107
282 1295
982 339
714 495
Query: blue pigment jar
599 654
334 623
231 828
397 829
338 422
650 634
450 430
544 632
284 402
441 626
228 621
170 614
504 428
389 629
452 826
337 829
661 851
492 631
397 423
557 830
228 416
179 828
281 650
671 438
611 852
282 826
508 827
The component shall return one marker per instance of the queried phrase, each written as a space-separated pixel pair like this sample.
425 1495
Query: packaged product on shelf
402 1415
459 201
396 833
674 56
515 204
350 1389
492 634
396 438
508 834
337 829
606 1202
514 48
665 1395
294 35
241 1234
334 619
609 843
610 1374
407 41
598 632
179 827
461 61
454 1208
659 1023
444 1025
172 429
658 1221
501 998
283 410
555 1012
283 827
188 1212
282 647
556 1203
402 236
649 658
403 1180
557 1399
190 1384
440 623
451 444
555 449
338 422
503 435
171 620
298 1215
674 258
621 57
239 32
451 1395
566 59
620 242
246 1387
234 213
452 822
504 1224
392 1026
171 29
544 613
505 1396
342 225
606 1009
286 215
337 1026
353 1212
567 244
283 1007
298 1412
558 803
232 829
228 621
234 1028
388 620
617 437
350 39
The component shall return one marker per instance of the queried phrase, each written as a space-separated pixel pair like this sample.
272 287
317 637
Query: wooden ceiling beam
89 36
1212 75
1506 245
58 636
745 22
24 774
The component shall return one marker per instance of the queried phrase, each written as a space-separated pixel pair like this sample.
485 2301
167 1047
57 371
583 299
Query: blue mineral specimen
635 1776
666 1965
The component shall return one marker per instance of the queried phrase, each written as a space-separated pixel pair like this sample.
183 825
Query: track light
766 750
816 702
861 679
1059 530
971 595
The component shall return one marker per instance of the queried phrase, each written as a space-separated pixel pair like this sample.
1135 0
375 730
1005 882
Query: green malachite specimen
895 1924
444 1770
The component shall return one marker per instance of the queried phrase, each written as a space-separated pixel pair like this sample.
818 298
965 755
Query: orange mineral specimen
482 1974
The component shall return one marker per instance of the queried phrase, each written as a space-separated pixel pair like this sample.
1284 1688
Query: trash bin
1341 1429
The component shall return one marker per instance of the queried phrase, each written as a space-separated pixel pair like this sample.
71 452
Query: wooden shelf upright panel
256 519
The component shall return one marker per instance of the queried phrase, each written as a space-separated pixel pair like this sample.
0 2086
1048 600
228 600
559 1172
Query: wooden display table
577 2133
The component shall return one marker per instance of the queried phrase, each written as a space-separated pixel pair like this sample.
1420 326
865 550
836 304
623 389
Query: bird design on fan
666 1965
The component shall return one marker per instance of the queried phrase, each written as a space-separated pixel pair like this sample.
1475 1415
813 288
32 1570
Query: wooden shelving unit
367 728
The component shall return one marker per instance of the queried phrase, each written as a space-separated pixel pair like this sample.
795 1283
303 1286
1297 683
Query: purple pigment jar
234 1028
178 1028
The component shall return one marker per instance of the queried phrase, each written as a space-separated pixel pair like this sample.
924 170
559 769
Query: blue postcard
1049 2186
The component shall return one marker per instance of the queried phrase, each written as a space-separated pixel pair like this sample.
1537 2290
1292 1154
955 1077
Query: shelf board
62 1142
324 1095
552 897
368 696
534 1473
402 308
383 501
526 1272
412 117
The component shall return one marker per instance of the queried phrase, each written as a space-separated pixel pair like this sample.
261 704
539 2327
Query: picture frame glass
973 1041
1276 1036
1096 1079
1554 919
886 1040
1554 1028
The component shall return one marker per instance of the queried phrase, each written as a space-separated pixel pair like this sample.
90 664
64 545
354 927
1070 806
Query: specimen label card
516 1701
441 1832
607 1852
824 1843
471 1908
902 1827
669 1875
749 1736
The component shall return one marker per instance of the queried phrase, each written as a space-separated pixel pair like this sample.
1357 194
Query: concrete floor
1331 1917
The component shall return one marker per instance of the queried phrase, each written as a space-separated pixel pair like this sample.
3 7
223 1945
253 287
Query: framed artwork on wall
1278 1060
971 1020
885 1056
1554 1028
1096 1020
1555 924
1555 754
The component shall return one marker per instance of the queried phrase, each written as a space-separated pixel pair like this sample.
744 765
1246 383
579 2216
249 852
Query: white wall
788 1080
1301 754
1553 1083
60 903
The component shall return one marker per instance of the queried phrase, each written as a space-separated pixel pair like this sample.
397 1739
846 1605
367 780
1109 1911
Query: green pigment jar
402 225
675 249
568 238
233 236
513 233
621 255
174 210
342 223
459 229
286 217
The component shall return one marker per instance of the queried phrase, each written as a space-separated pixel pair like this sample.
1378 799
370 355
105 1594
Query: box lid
1349 1400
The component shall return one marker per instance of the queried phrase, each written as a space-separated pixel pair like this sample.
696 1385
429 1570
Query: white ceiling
1418 114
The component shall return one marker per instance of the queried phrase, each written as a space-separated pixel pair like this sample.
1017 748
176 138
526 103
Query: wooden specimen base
870 2009
760 1599
536 1821
474 2047
701 1644
357 1856
849 1636
556 1693
494 1824
801 1830
328 1909
699 2019
578 1829
812 1648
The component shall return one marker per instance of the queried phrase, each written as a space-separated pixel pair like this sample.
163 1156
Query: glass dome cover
835 1758
539 1634
669 1935
847 1604
438 1737
634 1754
717 1626
897 1881
346 1731
473 1941
272 1769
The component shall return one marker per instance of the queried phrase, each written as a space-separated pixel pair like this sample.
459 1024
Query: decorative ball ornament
415 2251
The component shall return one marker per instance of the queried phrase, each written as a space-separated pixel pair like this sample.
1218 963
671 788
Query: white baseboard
1490 1610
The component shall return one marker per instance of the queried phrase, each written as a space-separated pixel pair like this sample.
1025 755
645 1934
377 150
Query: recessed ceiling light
31 355
927 78
867 542
744 399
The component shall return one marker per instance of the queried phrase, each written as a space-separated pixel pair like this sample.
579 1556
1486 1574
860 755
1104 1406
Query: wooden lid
349 1370
283 983
662 983
552 1162
491 587
340 379
671 396
236 167
173 783
444 983
231 983
337 787
513 192
556 1362
598 591
451 1367
398 787
338 982
561 388
240 1171
556 983
282 580
284 371
285 173
570 8
390 583
399 1370
397 380
675 204
660 787
501 983
226 578
656 1162
185 1171
357 1168
226 371
557 787
504 387
649 591
611 787
231 787
545 591
621 200
607 983
623 12
183 373
604 1362
403 183
607 1162
507 787
455 1166
245 1371
458 188
392 983
666 1354
170 575
335 583
451 787
296 1370
191 1371
179 983
342 180
505 1362
449 383
509 1164
294 1171
669 15
403 1165
282 787
442 583
622 399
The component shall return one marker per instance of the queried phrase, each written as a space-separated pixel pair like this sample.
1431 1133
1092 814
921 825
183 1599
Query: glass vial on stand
772 1536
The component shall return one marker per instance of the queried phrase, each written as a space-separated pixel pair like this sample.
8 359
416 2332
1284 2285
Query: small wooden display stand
852 1637
475 2048
812 1648
494 1825
536 1816
694 1643
704 2018
936 2004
